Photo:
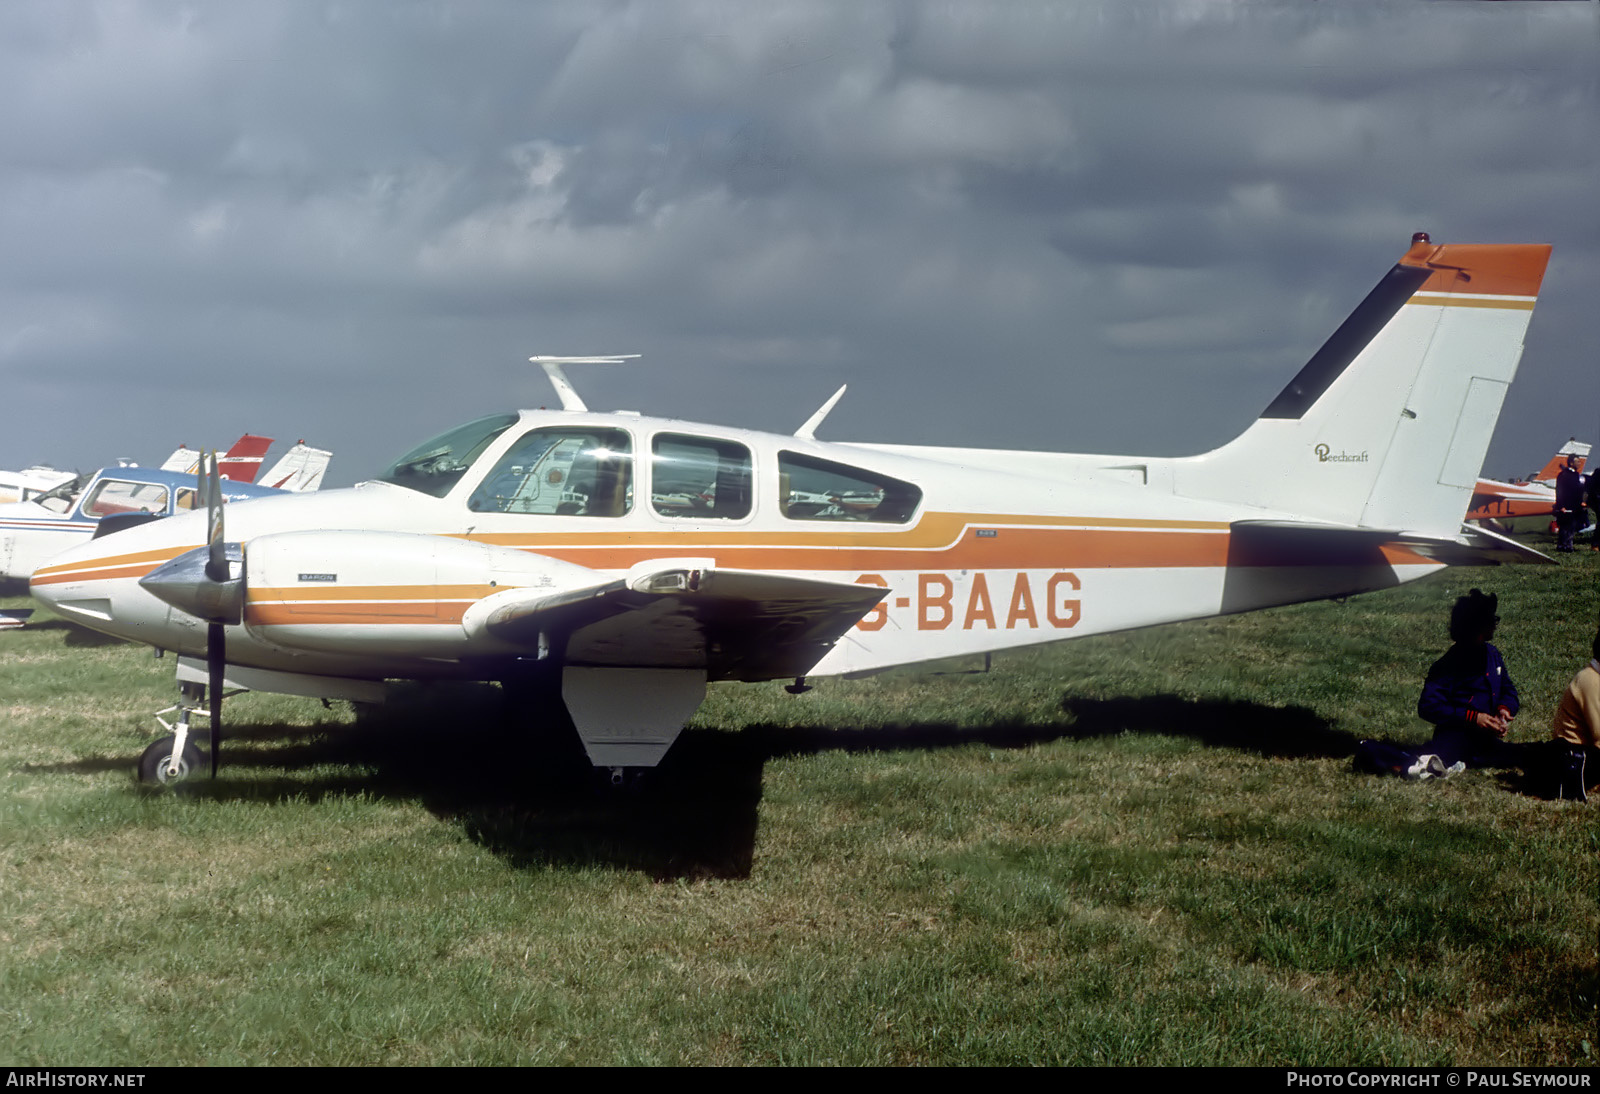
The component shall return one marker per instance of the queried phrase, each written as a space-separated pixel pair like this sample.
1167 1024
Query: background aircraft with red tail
1495 501
36 530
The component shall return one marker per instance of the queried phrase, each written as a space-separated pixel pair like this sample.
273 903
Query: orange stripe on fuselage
1010 549
411 610
932 531
132 565
300 594
941 541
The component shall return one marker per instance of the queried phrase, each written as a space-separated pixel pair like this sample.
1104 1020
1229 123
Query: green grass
1138 849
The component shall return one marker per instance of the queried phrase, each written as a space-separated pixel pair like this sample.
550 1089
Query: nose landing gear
173 759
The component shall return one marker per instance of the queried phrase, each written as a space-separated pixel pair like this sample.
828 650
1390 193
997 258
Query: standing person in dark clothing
1594 505
1469 696
1569 505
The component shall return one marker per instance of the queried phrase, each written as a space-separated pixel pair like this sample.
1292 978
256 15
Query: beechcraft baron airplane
625 561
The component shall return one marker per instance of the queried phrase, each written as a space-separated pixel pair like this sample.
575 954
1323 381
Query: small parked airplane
612 564
1495 501
239 464
30 482
35 531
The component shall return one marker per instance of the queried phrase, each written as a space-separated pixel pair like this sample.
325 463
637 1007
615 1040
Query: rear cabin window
813 489
561 472
698 478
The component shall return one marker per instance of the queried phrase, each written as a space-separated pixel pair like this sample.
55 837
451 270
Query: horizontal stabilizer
1499 548
1281 542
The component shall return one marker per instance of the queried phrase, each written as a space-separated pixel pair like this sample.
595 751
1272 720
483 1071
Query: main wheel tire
155 760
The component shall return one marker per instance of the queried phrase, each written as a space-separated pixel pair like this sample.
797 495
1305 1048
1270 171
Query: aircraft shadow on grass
1288 732
527 792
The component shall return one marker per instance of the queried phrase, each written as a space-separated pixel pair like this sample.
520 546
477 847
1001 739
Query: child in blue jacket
1469 696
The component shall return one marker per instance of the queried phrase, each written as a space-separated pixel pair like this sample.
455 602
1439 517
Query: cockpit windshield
435 466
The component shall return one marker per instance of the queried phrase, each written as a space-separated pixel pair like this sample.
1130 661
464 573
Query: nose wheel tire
155 763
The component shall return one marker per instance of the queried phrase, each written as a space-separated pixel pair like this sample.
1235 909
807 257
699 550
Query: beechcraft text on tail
615 563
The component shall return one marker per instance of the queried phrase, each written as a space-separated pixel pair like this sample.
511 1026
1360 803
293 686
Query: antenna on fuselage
558 378
809 430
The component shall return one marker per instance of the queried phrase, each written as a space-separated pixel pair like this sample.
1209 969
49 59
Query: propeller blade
216 664
217 557
217 571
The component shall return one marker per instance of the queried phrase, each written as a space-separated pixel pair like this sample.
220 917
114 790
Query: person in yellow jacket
1577 726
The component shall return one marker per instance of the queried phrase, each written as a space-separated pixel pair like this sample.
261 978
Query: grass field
1139 849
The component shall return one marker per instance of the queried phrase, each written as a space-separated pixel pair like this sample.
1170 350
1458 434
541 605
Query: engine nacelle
403 593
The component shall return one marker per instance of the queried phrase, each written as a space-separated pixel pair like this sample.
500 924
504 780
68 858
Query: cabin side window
561 472
699 478
813 489
112 496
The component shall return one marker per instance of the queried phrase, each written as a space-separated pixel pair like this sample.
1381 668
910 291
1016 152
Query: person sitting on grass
1575 731
1469 696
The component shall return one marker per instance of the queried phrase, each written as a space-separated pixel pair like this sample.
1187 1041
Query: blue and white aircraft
35 531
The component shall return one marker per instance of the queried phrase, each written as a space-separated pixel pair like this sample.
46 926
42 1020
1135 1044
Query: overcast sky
1090 226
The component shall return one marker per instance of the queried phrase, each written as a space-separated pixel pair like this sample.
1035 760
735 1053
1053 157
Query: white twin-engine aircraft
621 562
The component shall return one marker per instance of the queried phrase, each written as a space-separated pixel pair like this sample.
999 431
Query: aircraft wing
736 624
1271 542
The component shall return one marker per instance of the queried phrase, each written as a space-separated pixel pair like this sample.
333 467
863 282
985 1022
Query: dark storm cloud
1106 227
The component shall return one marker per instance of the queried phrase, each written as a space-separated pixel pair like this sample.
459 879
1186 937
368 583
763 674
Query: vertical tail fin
1573 447
184 460
1387 425
241 462
300 469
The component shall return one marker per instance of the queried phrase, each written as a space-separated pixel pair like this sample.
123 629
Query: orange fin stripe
1454 301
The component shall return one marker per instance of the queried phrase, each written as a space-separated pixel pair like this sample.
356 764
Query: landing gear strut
172 759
